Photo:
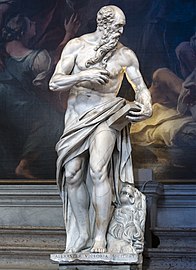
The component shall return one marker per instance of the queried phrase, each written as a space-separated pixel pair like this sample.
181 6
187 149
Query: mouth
117 35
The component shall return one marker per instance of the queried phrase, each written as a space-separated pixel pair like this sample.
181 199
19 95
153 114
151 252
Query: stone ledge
96 258
167 259
32 238
29 248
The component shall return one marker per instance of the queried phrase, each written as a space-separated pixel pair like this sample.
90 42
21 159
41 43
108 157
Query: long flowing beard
104 50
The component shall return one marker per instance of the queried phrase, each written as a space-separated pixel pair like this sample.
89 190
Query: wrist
83 76
69 34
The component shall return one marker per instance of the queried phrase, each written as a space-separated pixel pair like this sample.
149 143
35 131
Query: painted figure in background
186 54
94 156
24 76
5 6
26 138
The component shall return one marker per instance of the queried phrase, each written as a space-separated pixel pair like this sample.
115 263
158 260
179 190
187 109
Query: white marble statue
126 228
94 157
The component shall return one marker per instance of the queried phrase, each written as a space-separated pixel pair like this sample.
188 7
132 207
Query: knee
182 49
98 173
160 74
73 173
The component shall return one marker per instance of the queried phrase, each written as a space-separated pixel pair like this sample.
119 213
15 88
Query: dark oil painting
33 34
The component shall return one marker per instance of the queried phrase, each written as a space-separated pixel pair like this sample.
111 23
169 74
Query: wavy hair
14 28
105 18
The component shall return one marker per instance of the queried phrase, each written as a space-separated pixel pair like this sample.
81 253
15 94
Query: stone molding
32 227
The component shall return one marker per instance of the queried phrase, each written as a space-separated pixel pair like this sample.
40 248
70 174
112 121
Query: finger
76 17
104 72
65 21
101 81
135 113
135 118
72 17
105 78
138 104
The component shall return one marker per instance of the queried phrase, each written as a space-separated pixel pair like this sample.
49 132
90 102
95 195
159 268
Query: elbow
52 86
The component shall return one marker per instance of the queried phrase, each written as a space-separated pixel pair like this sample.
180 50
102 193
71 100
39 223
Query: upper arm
132 70
142 94
67 60
41 63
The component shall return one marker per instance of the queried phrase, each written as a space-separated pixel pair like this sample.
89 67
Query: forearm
143 96
142 93
62 82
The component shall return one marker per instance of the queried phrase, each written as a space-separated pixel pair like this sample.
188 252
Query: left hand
140 113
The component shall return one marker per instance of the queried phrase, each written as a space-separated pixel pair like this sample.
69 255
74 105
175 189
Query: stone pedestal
97 258
98 261
99 267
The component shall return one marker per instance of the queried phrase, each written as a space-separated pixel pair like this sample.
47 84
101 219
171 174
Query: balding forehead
120 20
119 15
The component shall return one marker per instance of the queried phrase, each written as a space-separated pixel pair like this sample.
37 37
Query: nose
121 30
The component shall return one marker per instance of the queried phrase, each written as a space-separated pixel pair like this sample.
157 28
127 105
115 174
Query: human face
118 26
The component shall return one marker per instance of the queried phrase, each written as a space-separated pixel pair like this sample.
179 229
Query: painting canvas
33 34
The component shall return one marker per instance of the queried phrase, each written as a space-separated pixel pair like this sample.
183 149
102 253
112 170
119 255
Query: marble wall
32 227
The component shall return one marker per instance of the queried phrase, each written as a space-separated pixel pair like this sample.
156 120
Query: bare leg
100 153
78 197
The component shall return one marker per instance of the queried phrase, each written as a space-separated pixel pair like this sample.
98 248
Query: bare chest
113 63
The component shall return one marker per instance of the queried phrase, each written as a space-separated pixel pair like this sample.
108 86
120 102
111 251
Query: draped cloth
75 141
161 128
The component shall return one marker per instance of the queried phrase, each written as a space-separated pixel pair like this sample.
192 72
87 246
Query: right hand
72 25
96 75
139 112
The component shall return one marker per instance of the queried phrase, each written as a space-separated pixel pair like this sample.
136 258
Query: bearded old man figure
94 158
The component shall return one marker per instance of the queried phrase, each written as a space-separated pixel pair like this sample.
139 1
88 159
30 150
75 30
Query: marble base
99 267
96 258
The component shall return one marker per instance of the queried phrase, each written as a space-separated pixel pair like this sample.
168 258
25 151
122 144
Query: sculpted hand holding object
94 157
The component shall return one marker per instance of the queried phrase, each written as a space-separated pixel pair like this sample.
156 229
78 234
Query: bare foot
78 245
23 171
99 246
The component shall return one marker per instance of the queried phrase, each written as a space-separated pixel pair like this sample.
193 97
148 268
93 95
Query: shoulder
42 55
73 45
42 60
127 56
